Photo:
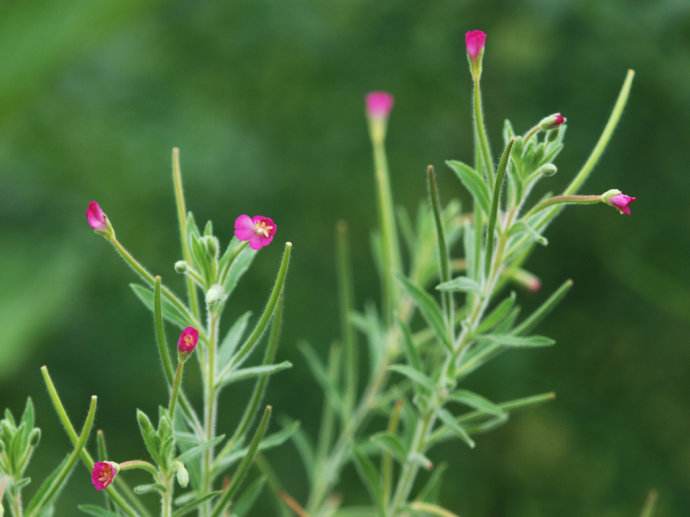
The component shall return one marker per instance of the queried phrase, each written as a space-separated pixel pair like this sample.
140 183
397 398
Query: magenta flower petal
379 104
622 202
559 119
188 340
103 473
258 230
474 42
244 227
96 217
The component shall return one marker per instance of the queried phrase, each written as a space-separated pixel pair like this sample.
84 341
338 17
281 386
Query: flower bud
181 267
96 217
211 244
215 294
618 200
181 474
379 104
188 340
475 42
552 121
103 474
547 170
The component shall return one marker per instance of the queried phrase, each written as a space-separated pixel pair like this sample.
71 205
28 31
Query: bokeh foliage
265 100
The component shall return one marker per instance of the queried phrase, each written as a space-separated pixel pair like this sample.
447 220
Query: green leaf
196 450
411 353
477 402
430 311
369 475
519 341
523 228
96 511
390 443
451 423
473 182
431 489
321 375
232 339
192 505
271 441
497 315
170 312
238 267
415 376
254 371
304 448
544 309
149 436
461 283
248 498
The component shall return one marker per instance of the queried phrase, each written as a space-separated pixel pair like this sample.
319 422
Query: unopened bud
181 474
181 267
552 121
215 294
618 200
547 170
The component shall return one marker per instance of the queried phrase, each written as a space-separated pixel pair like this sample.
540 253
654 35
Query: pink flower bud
103 474
188 340
622 203
96 217
475 42
379 104
258 230
552 121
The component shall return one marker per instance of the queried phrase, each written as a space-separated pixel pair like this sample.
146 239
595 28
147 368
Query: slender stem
167 499
390 250
387 459
495 203
16 506
192 295
328 414
480 131
139 465
210 402
565 199
147 277
176 388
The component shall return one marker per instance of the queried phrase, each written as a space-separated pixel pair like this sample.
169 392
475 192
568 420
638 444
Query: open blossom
103 474
622 203
96 217
258 230
379 104
188 340
474 42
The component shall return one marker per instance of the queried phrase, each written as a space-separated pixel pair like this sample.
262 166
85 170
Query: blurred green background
265 99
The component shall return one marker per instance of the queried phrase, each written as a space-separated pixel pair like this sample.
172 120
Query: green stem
210 403
176 388
480 132
149 279
495 203
390 251
139 465
167 499
15 500
387 459
564 199
192 294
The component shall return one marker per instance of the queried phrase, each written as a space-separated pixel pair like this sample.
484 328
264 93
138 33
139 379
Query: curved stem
177 381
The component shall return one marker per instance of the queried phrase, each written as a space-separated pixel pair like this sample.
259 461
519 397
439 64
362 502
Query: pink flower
475 42
379 104
258 230
622 203
188 340
96 217
103 474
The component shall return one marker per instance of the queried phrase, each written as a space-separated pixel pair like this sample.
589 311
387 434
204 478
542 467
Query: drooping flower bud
475 42
181 267
618 200
258 230
188 340
552 121
96 217
103 474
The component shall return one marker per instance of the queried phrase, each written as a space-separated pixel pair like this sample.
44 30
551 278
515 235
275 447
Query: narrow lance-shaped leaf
238 477
414 375
544 309
53 485
430 311
261 326
473 182
451 423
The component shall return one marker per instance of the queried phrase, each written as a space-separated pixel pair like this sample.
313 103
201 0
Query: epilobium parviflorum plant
446 310
192 464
